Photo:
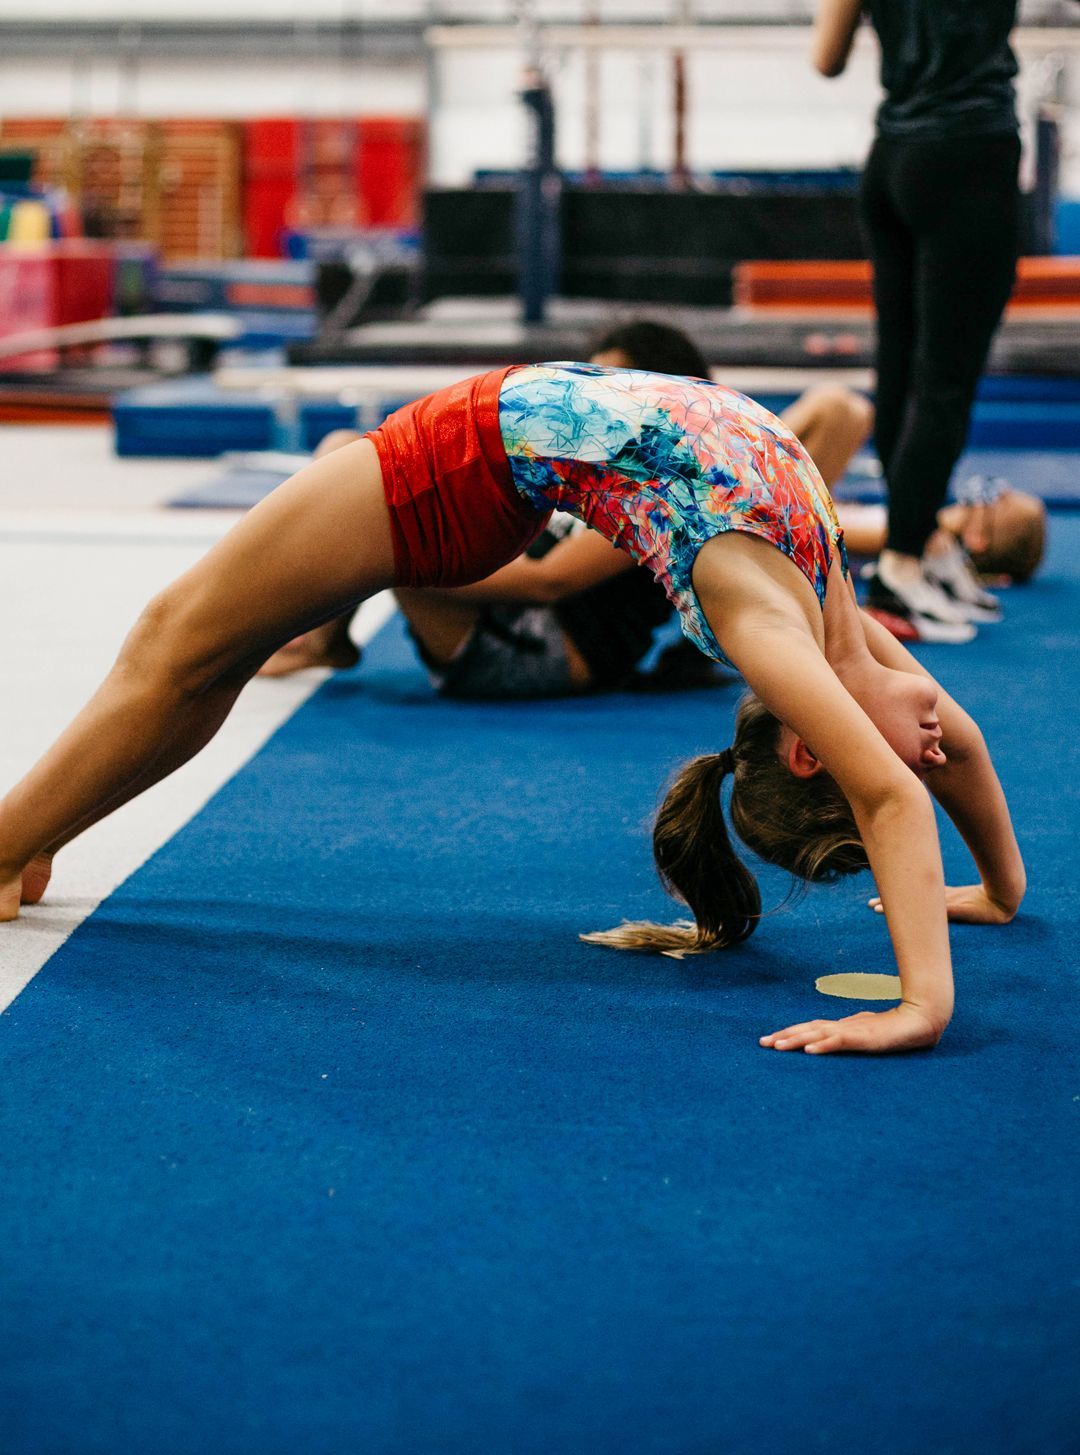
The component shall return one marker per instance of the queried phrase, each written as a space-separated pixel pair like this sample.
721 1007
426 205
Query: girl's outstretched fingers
816 1036
904 1028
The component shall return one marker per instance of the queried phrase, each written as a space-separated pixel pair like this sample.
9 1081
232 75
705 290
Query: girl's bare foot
25 887
35 878
326 646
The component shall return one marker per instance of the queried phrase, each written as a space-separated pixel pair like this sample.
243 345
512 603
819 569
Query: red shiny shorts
454 512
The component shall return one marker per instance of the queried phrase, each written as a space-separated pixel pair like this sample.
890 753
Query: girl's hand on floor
904 1028
966 904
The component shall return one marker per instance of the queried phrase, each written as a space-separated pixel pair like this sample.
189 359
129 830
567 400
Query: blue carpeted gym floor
326 1134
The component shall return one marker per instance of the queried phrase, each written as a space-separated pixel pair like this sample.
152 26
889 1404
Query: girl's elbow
1009 902
828 56
829 66
900 796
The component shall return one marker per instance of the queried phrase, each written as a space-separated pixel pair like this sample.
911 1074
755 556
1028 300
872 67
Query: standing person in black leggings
940 209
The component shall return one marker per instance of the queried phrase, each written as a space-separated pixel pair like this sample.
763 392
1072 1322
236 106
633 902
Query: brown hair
656 347
803 824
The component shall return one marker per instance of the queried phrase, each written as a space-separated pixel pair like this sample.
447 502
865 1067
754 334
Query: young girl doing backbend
724 505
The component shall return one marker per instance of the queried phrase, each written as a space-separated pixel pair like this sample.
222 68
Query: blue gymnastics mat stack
195 417
192 418
274 300
326 1133
1036 412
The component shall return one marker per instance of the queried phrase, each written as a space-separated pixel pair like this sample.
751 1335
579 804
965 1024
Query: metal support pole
680 171
539 198
591 66
540 186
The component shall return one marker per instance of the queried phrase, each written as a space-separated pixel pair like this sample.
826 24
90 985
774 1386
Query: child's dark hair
803 824
654 346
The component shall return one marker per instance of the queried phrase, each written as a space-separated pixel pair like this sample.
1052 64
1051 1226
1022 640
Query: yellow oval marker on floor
860 987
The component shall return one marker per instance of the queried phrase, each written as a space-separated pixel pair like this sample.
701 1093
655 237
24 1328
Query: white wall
750 108
563 10
755 104
211 87
751 105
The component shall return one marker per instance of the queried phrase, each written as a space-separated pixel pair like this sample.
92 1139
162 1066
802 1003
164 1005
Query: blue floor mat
326 1134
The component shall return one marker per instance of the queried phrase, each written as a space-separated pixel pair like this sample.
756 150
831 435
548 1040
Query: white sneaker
951 570
918 610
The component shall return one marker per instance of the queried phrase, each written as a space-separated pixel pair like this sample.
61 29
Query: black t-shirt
946 66
612 623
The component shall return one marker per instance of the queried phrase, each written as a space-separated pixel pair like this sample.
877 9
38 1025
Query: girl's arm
834 33
968 790
783 665
575 563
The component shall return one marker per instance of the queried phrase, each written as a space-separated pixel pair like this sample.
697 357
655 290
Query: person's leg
335 440
833 423
440 624
329 645
187 739
512 654
318 544
892 254
962 201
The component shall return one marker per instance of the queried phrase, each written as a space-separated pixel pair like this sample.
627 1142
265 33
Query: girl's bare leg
439 623
187 740
832 422
318 545
329 645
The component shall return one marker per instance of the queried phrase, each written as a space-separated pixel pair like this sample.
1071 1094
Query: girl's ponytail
803 824
698 865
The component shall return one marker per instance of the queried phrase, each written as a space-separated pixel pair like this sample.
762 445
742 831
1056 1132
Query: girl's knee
835 405
167 645
861 415
336 440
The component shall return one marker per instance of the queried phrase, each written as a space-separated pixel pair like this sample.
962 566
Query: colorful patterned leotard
659 465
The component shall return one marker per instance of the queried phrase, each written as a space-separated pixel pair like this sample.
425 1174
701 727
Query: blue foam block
273 329
1038 414
319 417
1025 424
189 418
1039 388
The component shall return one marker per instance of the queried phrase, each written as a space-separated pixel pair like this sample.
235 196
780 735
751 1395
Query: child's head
1005 536
804 825
643 344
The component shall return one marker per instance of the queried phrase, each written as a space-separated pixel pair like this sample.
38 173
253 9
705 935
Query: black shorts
512 652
